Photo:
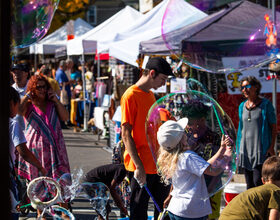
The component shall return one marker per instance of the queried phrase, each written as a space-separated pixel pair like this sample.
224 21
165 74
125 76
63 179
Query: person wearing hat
180 165
20 74
206 142
138 159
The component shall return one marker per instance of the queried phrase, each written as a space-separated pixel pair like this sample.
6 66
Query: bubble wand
219 121
150 194
36 203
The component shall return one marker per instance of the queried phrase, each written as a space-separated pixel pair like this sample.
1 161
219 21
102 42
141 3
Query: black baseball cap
160 65
21 66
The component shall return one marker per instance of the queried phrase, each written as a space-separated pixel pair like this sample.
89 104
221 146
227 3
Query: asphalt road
85 151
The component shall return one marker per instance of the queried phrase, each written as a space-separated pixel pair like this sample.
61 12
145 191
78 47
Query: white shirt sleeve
17 134
194 163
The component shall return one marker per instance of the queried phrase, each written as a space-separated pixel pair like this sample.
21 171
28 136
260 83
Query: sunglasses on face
246 87
44 87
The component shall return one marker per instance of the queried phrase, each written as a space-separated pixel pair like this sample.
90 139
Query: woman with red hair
42 112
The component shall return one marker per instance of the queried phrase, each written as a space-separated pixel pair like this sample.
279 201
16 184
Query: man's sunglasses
246 87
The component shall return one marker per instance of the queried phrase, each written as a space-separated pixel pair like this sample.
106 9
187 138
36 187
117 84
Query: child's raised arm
221 157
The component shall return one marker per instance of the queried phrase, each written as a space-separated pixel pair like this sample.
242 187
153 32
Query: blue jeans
176 217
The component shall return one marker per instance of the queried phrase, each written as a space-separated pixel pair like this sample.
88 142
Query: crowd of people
184 173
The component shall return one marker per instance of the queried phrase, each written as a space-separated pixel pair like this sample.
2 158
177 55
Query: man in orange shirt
138 159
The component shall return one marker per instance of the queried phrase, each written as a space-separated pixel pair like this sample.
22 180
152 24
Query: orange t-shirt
135 105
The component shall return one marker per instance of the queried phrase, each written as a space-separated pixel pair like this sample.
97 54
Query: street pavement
85 152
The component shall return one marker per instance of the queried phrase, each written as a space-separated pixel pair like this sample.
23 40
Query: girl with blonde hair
180 165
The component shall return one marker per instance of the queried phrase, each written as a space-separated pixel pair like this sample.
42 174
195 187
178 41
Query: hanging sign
233 79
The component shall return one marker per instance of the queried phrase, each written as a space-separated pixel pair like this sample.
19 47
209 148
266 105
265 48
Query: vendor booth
87 43
125 46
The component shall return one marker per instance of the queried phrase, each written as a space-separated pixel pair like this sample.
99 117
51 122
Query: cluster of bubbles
45 192
205 139
31 20
207 44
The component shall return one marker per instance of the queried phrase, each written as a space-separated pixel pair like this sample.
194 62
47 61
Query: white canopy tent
87 43
125 46
58 39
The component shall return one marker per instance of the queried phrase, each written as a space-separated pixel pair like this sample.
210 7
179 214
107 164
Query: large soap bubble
193 84
31 20
98 195
234 39
70 183
207 123
45 192
60 213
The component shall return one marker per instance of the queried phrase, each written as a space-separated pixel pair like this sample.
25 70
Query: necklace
249 115
250 107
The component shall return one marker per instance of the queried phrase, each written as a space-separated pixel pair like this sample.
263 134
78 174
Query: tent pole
98 65
274 94
98 74
35 62
84 93
35 58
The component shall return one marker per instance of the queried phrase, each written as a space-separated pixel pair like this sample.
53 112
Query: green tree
69 10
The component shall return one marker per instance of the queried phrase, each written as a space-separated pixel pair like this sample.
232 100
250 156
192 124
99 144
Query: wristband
28 95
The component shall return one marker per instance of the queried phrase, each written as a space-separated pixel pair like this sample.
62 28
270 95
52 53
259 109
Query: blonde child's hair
167 162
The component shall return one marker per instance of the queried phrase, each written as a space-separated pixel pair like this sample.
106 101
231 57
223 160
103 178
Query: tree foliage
69 10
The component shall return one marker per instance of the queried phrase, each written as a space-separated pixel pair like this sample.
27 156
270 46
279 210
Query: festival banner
233 79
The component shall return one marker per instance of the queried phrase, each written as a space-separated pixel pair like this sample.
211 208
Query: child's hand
18 207
226 141
226 146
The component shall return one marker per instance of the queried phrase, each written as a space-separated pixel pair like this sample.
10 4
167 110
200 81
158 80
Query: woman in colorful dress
42 112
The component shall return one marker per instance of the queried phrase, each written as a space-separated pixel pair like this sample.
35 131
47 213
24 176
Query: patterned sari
45 140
